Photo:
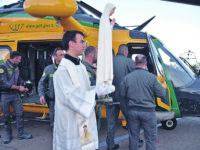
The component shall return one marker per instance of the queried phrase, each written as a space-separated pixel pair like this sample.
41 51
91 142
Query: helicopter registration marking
17 27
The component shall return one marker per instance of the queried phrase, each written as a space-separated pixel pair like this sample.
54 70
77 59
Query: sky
176 25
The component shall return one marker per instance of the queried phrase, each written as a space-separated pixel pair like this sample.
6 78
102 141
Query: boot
7 139
116 147
9 136
24 136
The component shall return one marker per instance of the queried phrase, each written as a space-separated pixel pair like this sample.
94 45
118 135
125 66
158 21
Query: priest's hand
104 88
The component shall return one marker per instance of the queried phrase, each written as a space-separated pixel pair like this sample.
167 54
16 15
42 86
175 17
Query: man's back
142 88
139 89
121 66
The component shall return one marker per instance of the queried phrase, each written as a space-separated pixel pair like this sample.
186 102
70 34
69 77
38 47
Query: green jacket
91 73
45 85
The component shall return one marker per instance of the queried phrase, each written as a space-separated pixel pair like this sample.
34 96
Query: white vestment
75 120
105 58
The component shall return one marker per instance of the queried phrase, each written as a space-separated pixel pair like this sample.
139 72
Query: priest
75 121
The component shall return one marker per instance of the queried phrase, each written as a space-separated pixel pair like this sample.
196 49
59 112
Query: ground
184 137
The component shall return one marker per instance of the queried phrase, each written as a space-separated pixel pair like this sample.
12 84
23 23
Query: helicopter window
180 75
4 52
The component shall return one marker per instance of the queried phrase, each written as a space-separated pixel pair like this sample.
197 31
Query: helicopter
192 67
35 28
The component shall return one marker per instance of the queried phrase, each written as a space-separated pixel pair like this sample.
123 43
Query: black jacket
9 75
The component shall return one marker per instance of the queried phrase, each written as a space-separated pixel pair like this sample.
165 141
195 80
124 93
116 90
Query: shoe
141 143
7 139
24 136
125 127
116 147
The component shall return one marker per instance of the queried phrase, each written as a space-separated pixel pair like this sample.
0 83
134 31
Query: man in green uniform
46 87
90 59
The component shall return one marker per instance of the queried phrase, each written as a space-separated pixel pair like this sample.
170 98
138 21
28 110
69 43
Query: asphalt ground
186 136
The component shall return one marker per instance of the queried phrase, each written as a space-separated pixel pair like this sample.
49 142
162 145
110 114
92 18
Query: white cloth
75 121
104 88
105 58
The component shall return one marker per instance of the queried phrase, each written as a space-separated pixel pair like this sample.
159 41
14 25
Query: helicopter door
161 77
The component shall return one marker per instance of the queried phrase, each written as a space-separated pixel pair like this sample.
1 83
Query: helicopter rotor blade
140 27
90 8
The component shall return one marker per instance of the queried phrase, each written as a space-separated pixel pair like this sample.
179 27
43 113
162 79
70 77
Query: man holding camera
10 85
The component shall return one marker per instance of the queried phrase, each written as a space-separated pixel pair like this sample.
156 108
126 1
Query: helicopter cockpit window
180 75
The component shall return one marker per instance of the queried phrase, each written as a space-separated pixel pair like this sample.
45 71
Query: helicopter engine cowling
42 8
